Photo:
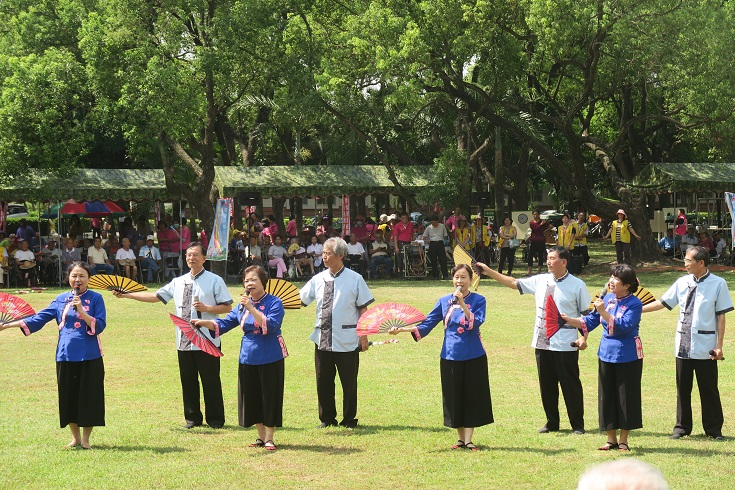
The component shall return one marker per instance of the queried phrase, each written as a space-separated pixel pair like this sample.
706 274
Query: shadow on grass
322 449
508 449
137 448
687 451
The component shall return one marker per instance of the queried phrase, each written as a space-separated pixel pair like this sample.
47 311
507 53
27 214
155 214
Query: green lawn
400 441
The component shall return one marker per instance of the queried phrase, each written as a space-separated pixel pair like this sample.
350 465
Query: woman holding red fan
262 352
81 317
463 364
620 366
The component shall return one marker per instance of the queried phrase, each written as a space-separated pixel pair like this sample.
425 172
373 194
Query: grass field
400 440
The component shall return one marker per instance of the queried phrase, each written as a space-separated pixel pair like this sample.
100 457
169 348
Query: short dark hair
627 276
700 253
76 264
199 245
261 273
403 213
561 252
460 267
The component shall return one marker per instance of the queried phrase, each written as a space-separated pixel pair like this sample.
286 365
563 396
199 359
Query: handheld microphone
458 290
712 353
76 292
196 300
247 293
572 344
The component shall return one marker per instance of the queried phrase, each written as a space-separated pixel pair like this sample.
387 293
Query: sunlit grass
400 441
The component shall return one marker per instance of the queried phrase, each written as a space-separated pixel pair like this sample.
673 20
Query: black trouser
584 252
193 365
622 250
509 254
358 261
536 249
560 368
438 258
709 395
327 364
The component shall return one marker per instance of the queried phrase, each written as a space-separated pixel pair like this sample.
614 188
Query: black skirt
81 392
619 395
260 394
466 393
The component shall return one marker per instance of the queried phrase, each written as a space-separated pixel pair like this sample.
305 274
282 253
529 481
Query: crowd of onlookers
138 252
375 248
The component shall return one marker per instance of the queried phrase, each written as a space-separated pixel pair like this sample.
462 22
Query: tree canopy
580 94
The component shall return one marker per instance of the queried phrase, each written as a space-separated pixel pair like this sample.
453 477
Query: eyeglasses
689 261
194 255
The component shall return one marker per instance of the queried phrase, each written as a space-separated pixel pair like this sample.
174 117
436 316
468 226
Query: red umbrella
91 209
195 335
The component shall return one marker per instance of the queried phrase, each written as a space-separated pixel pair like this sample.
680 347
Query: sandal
460 444
624 449
270 445
608 446
258 443
471 446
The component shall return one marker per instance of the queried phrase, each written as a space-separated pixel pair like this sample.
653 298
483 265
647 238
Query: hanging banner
217 249
346 216
730 201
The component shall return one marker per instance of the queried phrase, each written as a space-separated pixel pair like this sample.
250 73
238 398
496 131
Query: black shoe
719 438
546 429
677 435
190 424
350 425
324 425
579 432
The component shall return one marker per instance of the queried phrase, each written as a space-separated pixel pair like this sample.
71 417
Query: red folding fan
552 319
13 308
382 317
195 335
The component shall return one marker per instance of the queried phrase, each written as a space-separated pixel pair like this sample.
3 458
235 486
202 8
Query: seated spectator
70 254
706 242
139 243
126 260
150 258
50 256
3 240
689 240
97 258
380 255
720 244
668 244
300 257
356 255
314 250
25 261
276 253
112 246
253 252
